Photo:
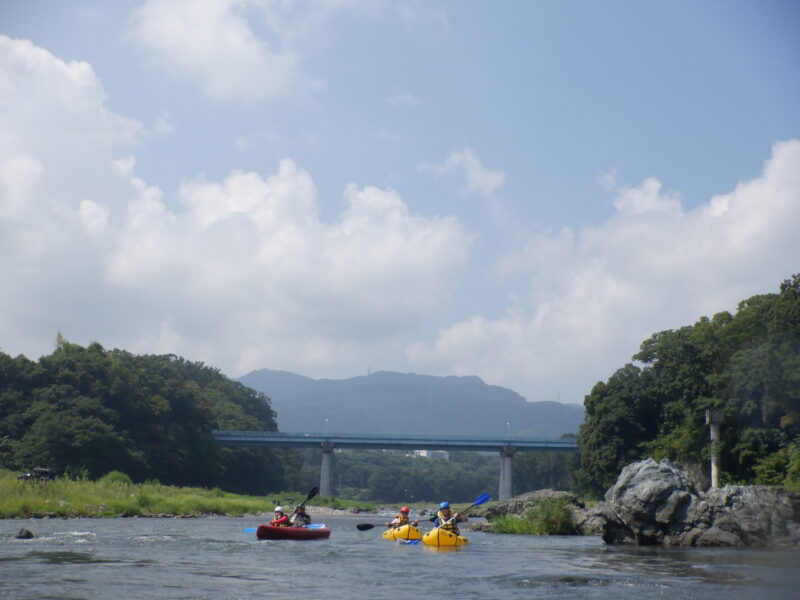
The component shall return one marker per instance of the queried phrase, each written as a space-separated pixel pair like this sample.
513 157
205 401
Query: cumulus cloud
595 294
241 273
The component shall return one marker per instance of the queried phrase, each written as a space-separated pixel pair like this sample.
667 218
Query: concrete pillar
506 487
714 419
326 472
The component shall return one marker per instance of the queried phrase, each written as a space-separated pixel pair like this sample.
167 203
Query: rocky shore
658 503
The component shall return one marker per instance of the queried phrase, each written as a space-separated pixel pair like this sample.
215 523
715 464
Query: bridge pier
506 487
326 472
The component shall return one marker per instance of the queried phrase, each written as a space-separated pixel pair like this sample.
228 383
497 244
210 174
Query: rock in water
24 534
658 503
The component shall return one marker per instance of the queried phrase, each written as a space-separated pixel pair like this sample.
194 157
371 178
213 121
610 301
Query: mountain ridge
388 402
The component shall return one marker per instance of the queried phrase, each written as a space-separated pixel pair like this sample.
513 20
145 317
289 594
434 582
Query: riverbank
115 496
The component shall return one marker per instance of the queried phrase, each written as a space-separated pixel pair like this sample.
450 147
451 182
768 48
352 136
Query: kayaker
447 519
401 519
300 518
280 520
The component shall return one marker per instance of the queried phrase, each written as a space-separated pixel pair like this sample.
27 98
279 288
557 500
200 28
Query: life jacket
401 519
451 526
282 521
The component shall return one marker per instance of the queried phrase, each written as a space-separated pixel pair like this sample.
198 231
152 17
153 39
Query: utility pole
714 419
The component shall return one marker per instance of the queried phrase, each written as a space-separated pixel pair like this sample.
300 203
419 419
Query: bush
547 516
116 477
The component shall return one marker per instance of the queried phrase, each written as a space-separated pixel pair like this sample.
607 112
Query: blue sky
522 191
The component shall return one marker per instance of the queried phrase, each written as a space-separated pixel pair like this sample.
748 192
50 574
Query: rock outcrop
658 503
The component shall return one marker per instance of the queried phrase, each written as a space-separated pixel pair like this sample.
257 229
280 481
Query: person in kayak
280 520
300 518
401 519
447 519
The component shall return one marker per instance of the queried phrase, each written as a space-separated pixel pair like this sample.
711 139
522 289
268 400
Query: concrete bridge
506 446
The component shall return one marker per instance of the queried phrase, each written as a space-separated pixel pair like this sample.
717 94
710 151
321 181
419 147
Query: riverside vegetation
547 516
745 366
115 495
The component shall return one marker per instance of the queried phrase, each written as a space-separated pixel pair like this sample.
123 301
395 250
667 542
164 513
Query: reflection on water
213 558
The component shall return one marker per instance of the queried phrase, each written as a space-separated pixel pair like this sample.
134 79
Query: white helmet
278 509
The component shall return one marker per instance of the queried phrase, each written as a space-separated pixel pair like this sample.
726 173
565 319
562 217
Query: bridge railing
364 440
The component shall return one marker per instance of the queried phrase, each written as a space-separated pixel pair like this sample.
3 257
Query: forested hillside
745 365
88 411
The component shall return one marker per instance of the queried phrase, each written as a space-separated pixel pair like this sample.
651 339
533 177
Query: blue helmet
444 505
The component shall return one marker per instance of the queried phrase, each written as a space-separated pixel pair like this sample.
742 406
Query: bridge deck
398 442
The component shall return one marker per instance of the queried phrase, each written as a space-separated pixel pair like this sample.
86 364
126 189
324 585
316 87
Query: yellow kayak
405 532
441 537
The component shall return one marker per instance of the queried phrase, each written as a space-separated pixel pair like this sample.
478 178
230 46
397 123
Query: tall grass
115 496
547 516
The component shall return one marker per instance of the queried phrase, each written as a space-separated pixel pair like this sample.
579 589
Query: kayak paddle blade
364 526
481 499
249 530
316 526
314 491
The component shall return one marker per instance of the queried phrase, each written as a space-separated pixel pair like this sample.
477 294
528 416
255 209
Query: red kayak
270 532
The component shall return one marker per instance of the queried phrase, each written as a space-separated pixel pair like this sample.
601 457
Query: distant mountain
388 402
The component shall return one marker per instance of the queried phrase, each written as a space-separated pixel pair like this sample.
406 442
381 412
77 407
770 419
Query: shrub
116 477
547 516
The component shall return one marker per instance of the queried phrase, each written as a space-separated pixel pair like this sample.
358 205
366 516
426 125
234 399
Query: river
213 558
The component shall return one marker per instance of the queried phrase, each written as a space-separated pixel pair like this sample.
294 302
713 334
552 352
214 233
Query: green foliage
396 478
547 516
544 470
116 477
746 366
112 496
89 411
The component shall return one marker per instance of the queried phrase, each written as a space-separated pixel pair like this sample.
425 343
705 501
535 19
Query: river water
213 558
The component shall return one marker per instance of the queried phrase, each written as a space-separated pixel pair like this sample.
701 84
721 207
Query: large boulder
659 503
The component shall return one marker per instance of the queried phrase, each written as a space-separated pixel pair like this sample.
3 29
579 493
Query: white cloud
239 273
247 50
479 179
595 294
213 43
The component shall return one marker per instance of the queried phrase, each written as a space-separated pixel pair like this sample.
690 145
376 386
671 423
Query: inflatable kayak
441 537
405 532
270 532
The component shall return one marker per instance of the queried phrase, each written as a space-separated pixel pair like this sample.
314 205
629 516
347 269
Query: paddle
478 501
311 493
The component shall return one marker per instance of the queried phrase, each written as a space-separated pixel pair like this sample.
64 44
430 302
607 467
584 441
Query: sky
519 190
